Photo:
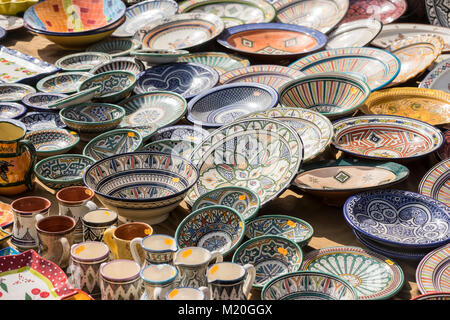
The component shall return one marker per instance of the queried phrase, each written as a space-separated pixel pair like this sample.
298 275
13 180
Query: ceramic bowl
12 8
399 218
182 148
308 285
288 227
332 94
14 92
220 61
115 85
216 228
271 256
223 104
358 33
62 171
432 271
186 79
81 96
115 47
112 143
436 182
243 200
159 56
50 142
195 134
92 117
11 110
66 82
42 101
141 186
119 64
84 61
42 120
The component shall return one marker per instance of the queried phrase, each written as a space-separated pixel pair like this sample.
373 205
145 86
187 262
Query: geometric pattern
341 176
112 143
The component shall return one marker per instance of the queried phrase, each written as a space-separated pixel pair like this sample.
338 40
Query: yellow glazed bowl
12 8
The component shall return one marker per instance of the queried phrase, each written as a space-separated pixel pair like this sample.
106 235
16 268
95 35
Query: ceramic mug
192 263
158 280
96 222
120 280
119 239
84 269
56 236
25 210
230 281
157 248
188 293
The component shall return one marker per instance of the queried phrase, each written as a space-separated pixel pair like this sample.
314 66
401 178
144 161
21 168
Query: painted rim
161 282
41 83
28 89
21 109
425 271
442 171
60 63
113 94
65 132
95 123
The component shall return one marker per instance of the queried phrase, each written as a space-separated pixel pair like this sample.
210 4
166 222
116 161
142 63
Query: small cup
120 280
96 222
230 281
157 248
188 293
158 280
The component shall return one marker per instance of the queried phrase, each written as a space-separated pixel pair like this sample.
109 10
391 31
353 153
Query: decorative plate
433 272
159 56
10 23
114 85
67 82
382 137
42 101
113 142
427 105
438 12
28 276
436 182
19 67
216 228
272 40
11 110
195 134
186 79
222 62
115 47
271 256
376 66
386 11
434 296
308 285
50 142
42 120
263 155
315 130
444 151
6 215
243 200
8 251
232 12
373 276
438 78
120 64
288 227
84 61
223 104
182 148
272 75
182 31
144 12
399 218
13 92
356 33
319 15
439 59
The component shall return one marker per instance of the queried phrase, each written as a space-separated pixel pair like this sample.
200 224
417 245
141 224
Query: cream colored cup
188 293
158 280
120 280
96 222
157 248
230 281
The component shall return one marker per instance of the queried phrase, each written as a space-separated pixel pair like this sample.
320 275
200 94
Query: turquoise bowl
83 61
119 64
67 82
51 142
115 47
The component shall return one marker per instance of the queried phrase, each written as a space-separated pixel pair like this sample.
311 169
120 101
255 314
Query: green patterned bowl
116 47
182 148
155 56
83 61
67 82
51 142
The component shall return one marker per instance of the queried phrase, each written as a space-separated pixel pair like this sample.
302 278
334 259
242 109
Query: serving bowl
195 134
115 47
11 110
50 142
42 101
12 8
159 56
114 85
119 64
220 61
432 271
83 61
14 92
182 148
67 82
42 120
436 182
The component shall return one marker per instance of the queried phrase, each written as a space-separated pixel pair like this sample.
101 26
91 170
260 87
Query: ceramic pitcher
230 281
17 158
158 280
192 263
157 248
120 280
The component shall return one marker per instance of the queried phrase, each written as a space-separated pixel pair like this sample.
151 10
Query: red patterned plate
6 215
386 11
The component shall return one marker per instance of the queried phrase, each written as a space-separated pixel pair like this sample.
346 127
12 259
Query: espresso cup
120 280
157 248
188 293
230 281
96 222
158 280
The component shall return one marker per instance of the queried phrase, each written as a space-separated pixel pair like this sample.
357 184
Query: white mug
158 280
230 281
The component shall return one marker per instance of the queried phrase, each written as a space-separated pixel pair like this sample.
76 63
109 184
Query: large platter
433 271
436 182
386 11
220 61
356 33
438 78
438 12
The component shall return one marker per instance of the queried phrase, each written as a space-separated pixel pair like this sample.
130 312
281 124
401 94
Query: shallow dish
84 61
288 227
42 100
436 182
271 256
243 200
50 142
66 82
220 61
14 92
42 120
114 85
438 78
10 23
432 272
386 11
195 134
159 56
356 33
438 12
186 79
182 148
216 228
11 110
115 47
62 170
119 64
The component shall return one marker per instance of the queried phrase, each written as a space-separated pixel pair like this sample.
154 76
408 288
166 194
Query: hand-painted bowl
92 117
243 200
220 61
196 134
112 143
115 85
62 171
42 120
308 285
119 64
115 47
67 82
332 94
41 100
141 186
216 228
271 256
84 61
79 97
159 56
13 8
224 104
434 296
14 92
50 142
288 227
182 148
11 110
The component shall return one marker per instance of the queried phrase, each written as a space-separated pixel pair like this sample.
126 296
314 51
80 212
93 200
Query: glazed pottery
10 23
8 251
432 271
17 158
158 248
195 134
188 293
386 11
386 137
243 200
230 281
120 280
158 56
66 82
220 61
42 101
434 296
356 33
444 152
438 78
14 92
158 280
81 96
216 228
186 79
25 211
436 182
42 120
86 258
115 85
56 236
288 227
82 61
438 12
308 285
50 142
115 48
191 263
96 222
224 104
6 215
119 64
182 148
271 256
75 202
4 235
11 110
119 238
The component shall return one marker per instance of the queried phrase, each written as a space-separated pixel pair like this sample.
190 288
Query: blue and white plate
42 120
14 92
11 110
42 100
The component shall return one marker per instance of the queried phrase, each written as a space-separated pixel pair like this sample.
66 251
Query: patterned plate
434 296
84 61
8 251
50 142
438 78
386 11
373 276
222 62
436 182
438 12
42 101
356 33
10 23
67 82
121 63
433 272
6 215
182 148
195 134
11 110
14 92
116 47
42 120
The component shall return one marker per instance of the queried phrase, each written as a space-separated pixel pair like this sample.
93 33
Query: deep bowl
120 63
42 120
115 47
50 142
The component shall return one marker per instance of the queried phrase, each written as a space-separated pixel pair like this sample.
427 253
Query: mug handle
217 255
134 252
65 248
249 280
109 240
27 145
206 292
91 205
38 217
157 294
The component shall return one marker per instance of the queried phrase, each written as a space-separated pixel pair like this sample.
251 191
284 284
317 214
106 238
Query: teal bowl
51 142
